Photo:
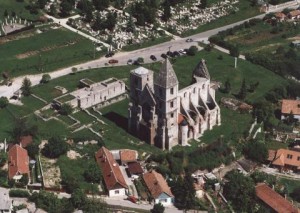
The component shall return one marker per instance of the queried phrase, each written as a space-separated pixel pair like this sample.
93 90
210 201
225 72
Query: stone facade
92 93
165 116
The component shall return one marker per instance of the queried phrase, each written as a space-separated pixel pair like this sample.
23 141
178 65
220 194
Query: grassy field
41 52
18 7
245 11
261 37
115 135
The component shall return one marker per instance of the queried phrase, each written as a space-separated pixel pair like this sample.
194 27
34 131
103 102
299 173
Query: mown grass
74 47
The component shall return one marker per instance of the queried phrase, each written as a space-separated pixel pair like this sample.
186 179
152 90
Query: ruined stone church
165 116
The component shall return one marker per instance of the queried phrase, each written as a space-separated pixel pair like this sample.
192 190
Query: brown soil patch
44 49
9 38
294 38
267 46
253 37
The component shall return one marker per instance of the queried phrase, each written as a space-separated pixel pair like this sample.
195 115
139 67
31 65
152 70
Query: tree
166 10
92 173
78 198
3 102
101 4
45 78
53 10
66 8
3 158
256 150
24 180
243 91
55 147
5 13
234 51
240 190
26 87
203 4
42 3
296 194
33 150
66 109
184 192
227 88
110 21
158 208
291 54
192 50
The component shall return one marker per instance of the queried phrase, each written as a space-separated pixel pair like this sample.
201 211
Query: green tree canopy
45 78
243 91
26 87
78 198
66 109
158 208
240 191
192 50
93 173
3 102
33 150
256 150
55 147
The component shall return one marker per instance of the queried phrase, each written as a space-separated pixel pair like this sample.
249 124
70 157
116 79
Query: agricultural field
264 37
39 50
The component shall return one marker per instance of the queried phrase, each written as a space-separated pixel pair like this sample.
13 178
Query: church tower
166 92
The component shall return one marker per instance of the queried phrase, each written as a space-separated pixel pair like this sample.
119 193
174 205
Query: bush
3 102
18 193
55 147
66 109
192 50
45 79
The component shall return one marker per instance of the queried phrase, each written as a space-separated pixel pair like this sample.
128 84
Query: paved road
122 57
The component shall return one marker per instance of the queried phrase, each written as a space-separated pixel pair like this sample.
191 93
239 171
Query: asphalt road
123 57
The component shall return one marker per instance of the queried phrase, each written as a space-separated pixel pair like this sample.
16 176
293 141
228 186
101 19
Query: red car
113 61
132 199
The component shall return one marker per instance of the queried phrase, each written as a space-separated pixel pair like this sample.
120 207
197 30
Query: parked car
136 63
110 54
153 58
189 40
176 54
113 61
130 61
164 56
132 199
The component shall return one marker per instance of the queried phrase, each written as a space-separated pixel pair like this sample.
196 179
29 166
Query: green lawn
18 7
68 121
83 117
43 52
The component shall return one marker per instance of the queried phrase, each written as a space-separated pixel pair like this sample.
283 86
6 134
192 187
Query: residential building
112 175
158 188
128 155
294 14
18 162
285 159
135 168
280 16
92 93
273 200
165 116
289 107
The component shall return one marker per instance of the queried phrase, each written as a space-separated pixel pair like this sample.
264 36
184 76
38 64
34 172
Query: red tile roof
127 155
294 13
289 106
274 200
280 15
281 158
112 174
25 140
18 161
135 168
156 184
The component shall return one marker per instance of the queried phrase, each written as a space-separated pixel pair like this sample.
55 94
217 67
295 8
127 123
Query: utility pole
235 62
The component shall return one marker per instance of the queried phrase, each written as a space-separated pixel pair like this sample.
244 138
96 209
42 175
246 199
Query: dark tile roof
166 77
135 168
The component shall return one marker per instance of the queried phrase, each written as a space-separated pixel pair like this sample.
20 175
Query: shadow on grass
118 119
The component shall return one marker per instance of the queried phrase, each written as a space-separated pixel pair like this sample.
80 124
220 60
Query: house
273 200
135 168
158 188
289 107
112 175
295 43
295 14
5 203
128 155
280 16
18 162
157 102
285 159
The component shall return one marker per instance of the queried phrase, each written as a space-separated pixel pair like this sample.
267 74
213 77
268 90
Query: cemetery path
123 57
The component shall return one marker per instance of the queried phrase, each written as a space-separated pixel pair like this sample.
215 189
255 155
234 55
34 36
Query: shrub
3 102
18 193
192 50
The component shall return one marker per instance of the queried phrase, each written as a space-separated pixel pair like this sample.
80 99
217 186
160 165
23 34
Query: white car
182 51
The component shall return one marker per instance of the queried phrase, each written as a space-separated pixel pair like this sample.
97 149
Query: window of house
136 82
160 92
172 91
172 115
117 192
194 90
289 156
184 95
163 200
298 158
171 104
